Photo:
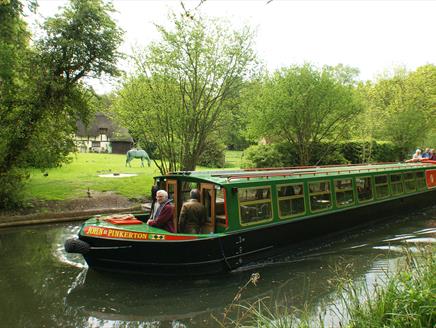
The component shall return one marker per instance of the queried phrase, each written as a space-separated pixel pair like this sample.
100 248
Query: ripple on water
390 248
400 237
75 260
421 240
426 231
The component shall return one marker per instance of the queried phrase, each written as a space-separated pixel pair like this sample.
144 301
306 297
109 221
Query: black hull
226 253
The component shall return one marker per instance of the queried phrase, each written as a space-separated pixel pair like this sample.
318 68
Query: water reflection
42 286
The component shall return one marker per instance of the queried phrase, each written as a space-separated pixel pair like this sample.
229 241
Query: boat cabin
244 199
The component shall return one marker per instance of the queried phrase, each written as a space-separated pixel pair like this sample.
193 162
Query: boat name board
431 178
131 235
114 233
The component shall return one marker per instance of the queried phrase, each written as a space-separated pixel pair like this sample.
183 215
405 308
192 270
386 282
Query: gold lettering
97 231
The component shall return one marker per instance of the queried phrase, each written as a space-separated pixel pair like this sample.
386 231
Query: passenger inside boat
164 213
211 197
192 215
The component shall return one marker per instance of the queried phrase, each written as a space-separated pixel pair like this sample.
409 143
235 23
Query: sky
373 36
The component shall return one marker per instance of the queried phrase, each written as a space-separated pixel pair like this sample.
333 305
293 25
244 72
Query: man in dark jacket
163 217
193 214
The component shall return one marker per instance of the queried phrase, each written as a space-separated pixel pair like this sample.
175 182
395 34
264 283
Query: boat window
255 205
219 207
186 188
364 189
173 195
396 184
420 180
319 194
409 182
291 200
344 192
381 186
171 190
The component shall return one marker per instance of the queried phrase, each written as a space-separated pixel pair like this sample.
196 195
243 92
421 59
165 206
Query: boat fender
76 246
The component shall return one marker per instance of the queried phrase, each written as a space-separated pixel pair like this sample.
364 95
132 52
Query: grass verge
74 179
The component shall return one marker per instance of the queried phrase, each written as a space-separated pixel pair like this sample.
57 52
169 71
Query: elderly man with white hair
163 217
416 157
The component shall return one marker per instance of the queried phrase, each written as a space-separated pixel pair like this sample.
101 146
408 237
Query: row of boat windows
255 204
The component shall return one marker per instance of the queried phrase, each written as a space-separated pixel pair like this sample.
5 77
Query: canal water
42 286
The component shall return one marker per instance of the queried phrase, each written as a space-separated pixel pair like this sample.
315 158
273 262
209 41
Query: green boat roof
235 177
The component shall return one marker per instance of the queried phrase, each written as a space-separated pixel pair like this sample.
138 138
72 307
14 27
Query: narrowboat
253 213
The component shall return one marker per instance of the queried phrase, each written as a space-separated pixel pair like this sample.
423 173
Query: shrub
11 191
213 155
262 156
326 153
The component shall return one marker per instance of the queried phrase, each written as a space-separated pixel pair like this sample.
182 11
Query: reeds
404 298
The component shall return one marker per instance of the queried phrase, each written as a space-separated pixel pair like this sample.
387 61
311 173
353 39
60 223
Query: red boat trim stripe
175 237
225 208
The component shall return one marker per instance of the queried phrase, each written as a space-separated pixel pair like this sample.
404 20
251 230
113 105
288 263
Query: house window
255 205
319 195
364 189
381 186
291 200
344 192
102 131
396 184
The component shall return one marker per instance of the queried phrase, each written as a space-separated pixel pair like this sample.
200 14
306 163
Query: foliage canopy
183 88
41 93
303 106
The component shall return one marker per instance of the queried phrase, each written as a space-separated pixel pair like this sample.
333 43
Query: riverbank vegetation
404 297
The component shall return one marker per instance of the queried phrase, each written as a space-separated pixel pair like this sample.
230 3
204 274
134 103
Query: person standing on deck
163 217
193 214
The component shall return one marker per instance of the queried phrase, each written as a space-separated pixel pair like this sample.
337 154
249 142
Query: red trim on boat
430 177
175 237
225 208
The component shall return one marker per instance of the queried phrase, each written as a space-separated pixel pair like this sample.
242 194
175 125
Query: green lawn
73 180
233 159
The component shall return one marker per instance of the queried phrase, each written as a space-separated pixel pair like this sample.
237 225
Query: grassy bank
408 299
405 298
73 180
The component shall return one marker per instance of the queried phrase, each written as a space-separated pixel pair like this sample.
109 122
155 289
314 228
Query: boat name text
114 233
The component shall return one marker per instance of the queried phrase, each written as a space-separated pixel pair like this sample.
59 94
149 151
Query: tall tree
44 95
184 86
405 105
303 106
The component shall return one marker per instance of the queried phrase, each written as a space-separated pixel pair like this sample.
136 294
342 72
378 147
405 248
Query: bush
213 155
11 191
354 152
262 156
376 151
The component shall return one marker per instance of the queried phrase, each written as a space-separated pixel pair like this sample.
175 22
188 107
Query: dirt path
76 209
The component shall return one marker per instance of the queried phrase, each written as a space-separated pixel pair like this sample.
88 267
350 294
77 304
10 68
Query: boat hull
220 253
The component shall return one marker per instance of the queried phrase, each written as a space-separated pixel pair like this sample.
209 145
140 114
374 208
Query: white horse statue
137 153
